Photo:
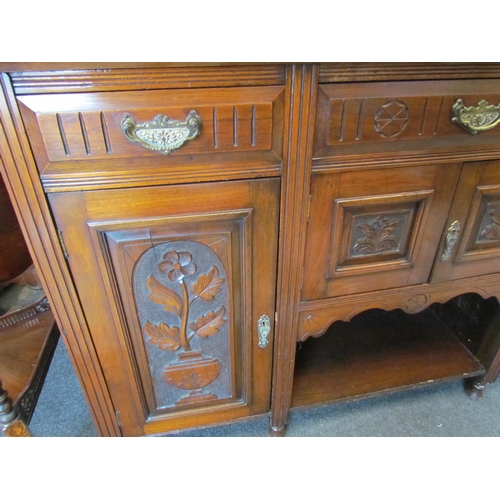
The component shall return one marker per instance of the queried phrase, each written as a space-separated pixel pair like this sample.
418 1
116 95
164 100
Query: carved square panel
382 235
481 234
489 229
376 233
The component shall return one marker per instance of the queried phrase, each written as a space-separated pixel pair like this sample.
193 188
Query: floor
441 410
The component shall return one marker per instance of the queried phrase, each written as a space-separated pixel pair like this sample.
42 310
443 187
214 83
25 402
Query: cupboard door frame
477 195
352 203
245 210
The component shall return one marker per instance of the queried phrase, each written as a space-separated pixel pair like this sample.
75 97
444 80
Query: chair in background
28 333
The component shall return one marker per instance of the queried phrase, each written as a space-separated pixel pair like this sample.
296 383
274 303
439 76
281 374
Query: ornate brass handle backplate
162 134
450 240
478 118
264 329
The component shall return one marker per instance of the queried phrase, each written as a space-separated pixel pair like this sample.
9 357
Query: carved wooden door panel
470 246
375 229
178 287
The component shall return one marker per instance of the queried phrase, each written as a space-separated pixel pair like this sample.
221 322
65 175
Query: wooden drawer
78 139
402 119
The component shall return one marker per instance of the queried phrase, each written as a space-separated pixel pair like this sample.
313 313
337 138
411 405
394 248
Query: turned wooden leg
277 431
10 420
474 387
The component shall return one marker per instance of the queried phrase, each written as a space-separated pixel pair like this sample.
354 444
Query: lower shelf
378 352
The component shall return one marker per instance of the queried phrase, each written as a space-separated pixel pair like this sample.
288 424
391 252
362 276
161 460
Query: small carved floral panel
378 234
489 230
182 299
366 236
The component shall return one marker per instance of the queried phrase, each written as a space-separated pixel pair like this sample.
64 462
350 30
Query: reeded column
297 163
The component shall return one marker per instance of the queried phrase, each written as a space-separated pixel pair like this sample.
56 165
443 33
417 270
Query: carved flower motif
492 232
378 237
177 265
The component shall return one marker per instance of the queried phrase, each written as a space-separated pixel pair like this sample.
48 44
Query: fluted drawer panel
399 117
80 135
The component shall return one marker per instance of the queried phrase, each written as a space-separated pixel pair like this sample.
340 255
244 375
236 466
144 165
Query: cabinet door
470 246
178 287
374 229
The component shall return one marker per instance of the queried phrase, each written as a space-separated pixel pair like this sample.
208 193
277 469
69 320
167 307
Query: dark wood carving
182 302
378 238
117 242
391 118
416 303
492 231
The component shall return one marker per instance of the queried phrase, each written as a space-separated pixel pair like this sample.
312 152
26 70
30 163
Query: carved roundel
391 118
416 303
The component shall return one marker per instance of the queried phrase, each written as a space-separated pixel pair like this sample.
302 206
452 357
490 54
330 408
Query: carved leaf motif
208 285
165 337
378 236
210 324
192 381
495 216
492 232
163 295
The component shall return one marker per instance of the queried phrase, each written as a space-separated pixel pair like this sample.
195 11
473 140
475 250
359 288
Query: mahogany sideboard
221 241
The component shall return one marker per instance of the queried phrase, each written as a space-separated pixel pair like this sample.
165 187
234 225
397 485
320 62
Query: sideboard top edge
345 72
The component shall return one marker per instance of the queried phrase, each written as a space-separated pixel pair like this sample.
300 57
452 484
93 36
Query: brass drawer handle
450 240
162 134
478 118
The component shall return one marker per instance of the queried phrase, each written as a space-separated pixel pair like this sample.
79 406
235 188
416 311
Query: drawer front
400 117
84 135
375 229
